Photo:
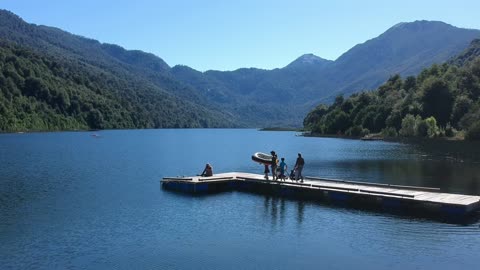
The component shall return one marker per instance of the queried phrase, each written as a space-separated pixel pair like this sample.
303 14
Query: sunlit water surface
77 201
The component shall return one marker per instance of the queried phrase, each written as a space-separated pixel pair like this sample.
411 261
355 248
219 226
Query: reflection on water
70 201
451 166
455 151
450 177
275 208
300 211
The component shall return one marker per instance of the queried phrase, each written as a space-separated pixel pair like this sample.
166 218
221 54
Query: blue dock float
346 193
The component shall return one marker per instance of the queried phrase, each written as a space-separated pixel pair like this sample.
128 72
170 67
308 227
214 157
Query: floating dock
348 193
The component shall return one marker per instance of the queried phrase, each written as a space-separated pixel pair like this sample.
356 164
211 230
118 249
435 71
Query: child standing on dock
266 171
283 169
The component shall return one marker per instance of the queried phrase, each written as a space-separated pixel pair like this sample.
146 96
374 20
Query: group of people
279 169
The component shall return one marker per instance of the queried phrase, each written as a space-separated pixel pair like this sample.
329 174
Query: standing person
266 171
274 165
299 167
283 169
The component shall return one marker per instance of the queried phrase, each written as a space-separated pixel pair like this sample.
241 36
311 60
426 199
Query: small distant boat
262 158
372 137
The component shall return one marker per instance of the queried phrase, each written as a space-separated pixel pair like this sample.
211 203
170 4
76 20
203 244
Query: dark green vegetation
440 101
40 92
53 80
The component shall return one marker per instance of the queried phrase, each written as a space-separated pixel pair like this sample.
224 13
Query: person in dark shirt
208 171
299 167
274 165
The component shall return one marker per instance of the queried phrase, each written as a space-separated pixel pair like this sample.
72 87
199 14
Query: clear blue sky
226 35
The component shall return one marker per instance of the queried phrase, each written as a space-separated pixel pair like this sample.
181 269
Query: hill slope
244 97
41 92
118 88
404 49
292 91
439 100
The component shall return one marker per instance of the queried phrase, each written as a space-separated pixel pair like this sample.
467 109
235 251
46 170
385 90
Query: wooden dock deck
384 195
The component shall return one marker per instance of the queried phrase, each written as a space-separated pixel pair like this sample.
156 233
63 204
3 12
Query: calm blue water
74 201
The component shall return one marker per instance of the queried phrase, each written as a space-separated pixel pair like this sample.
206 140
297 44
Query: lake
92 200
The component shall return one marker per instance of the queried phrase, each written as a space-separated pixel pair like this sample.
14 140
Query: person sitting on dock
208 171
283 169
299 167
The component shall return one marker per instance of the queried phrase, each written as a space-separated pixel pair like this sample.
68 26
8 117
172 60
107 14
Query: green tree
437 100
432 128
394 119
315 116
421 127
336 121
473 133
389 132
410 83
95 119
461 106
369 120
409 126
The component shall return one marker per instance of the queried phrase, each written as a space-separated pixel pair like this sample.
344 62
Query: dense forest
39 91
443 100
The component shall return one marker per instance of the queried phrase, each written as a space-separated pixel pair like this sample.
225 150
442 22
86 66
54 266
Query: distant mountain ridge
248 96
468 55
309 61
290 92
405 48
441 101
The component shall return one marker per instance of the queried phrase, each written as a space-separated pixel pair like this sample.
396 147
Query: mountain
440 101
309 61
245 97
404 49
468 55
290 92
53 80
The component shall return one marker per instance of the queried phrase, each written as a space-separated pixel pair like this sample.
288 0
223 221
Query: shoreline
376 137
281 129
302 133
100 130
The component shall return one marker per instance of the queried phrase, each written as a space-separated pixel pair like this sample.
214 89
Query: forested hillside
443 100
52 80
152 94
43 92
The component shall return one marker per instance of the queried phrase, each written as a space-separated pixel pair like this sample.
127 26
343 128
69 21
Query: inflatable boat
262 158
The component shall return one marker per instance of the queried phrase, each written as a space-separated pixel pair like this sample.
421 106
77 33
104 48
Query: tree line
442 101
45 92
